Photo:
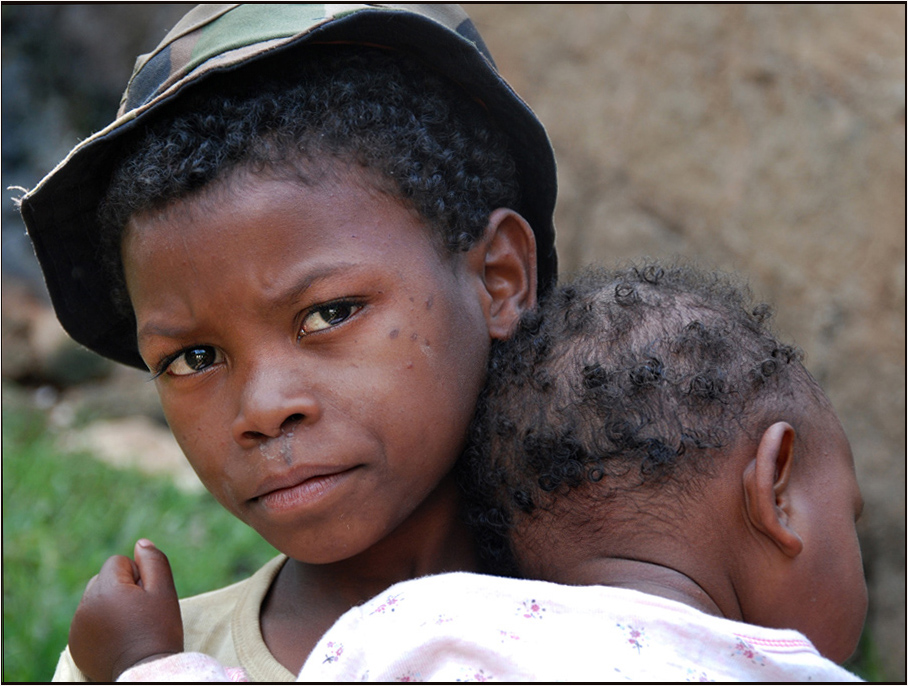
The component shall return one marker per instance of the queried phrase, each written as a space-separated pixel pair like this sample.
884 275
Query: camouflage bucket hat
60 213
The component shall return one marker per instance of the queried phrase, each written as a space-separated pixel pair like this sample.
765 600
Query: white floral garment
470 627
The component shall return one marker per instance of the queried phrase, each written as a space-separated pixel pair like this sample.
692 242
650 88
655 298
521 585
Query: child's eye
326 316
193 360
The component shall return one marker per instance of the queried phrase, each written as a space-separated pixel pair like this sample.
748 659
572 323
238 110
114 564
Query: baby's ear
767 491
505 260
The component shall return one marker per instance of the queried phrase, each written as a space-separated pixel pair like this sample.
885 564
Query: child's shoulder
258 583
224 623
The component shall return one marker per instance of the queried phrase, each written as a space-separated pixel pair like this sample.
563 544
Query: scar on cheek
394 333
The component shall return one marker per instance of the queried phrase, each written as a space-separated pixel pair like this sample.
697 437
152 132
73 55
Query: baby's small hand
129 612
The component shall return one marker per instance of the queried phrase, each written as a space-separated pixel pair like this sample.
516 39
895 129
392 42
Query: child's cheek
192 425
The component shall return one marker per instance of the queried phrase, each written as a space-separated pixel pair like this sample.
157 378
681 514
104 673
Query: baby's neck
646 577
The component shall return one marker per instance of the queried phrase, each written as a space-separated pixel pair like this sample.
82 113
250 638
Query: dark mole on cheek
394 333
430 302
428 345
414 336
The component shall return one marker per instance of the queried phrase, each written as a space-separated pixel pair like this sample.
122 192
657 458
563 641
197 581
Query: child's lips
299 487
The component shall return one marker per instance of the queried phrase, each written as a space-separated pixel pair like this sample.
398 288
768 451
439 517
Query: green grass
64 514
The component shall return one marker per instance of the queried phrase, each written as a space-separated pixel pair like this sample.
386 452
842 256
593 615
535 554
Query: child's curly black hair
628 379
423 139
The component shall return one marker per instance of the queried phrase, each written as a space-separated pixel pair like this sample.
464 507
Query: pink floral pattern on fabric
635 636
505 635
530 609
697 677
408 678
237 675
748 652
388 605
475 675
335 650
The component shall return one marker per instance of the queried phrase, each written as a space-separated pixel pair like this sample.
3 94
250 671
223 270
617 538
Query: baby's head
649 414
309 227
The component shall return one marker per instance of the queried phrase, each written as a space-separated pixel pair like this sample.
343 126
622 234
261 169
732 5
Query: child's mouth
301 491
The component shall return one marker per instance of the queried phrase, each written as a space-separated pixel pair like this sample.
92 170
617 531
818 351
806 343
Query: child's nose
272 403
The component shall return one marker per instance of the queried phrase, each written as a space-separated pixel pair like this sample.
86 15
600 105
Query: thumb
154 569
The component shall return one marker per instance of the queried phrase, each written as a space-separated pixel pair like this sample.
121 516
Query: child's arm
129 613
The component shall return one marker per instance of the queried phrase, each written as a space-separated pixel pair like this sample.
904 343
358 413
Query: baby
671 471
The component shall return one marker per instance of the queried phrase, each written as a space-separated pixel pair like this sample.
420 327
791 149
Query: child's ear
505 260
767 492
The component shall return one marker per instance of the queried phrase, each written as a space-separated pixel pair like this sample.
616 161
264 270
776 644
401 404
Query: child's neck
646 577
305 599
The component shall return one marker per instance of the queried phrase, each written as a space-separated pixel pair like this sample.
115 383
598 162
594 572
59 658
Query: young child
309 222
647 444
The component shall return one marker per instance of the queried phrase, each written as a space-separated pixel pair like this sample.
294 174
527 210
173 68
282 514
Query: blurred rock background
768 139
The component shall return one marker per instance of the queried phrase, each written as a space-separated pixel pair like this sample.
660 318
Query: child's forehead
262 211
253 189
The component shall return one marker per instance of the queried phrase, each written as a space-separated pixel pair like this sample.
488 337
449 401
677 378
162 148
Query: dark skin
318 357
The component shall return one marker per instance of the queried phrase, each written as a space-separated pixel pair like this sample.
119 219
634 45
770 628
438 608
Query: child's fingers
91 582
154 569
118 569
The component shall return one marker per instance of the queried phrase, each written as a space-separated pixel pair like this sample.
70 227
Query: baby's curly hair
628 379
421 138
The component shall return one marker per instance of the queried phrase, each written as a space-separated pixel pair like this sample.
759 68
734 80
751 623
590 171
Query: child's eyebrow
154 330
282 299
305 281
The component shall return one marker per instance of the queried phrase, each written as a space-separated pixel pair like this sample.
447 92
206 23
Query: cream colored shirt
223 624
